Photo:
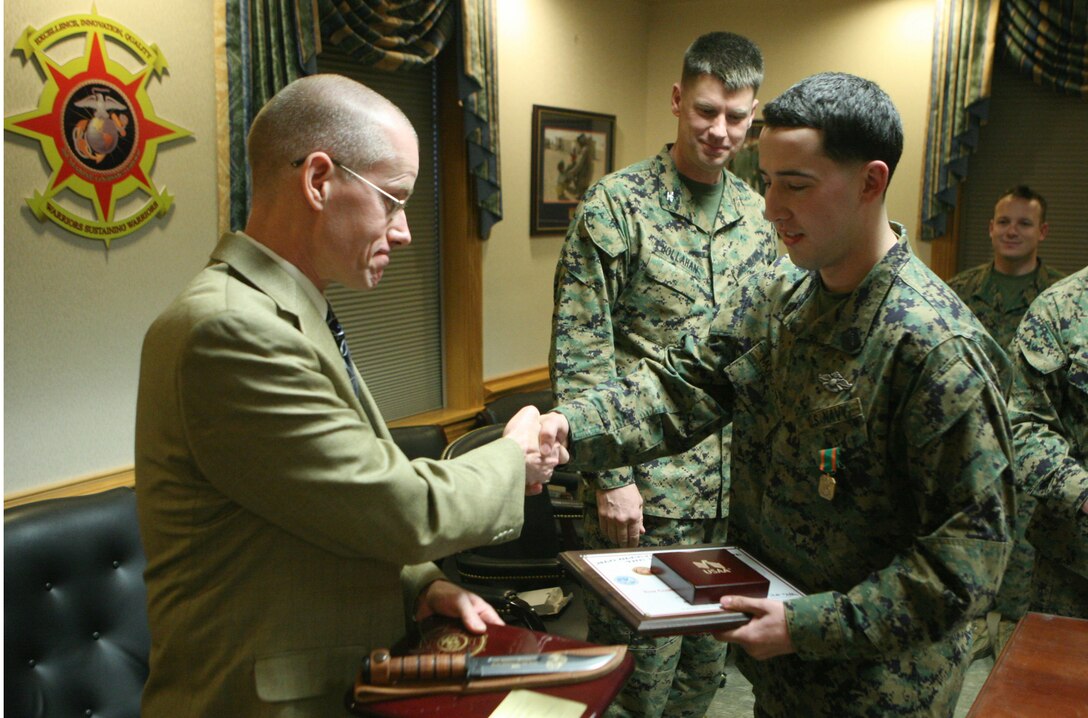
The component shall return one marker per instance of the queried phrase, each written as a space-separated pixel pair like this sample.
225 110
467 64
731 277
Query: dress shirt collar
312 292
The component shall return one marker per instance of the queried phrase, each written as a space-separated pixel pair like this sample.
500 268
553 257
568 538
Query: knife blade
380 668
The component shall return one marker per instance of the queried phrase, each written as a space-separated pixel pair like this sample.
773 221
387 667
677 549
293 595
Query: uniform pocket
827 502
675 278
662 302
827 461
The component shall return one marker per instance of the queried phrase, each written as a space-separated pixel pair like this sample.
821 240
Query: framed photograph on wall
571 151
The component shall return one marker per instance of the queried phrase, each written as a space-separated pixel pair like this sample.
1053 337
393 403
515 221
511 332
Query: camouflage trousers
674 675
1055 589
990 633
1010 605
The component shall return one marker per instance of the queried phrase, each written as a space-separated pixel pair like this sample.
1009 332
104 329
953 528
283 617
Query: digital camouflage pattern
639 269
1048 407
674 676
981 295
638 272
898 394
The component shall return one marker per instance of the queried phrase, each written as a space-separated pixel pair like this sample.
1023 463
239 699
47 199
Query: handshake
544 441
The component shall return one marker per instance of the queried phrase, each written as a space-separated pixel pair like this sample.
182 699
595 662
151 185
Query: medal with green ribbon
828 464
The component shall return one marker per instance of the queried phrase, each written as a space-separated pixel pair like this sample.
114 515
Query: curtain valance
1048 41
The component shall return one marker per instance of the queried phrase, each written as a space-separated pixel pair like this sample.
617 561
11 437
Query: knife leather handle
380 668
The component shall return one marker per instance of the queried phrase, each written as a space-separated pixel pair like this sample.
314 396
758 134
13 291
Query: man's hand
524 428
619 511
448 599
554 431
766 635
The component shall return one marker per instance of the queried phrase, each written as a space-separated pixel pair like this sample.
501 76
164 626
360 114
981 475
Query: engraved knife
380 668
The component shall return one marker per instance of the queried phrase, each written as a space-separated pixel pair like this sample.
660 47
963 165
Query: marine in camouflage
637 272
639 269
901 386
1048 407
1000 317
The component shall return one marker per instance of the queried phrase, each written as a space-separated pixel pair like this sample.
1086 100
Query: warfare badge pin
834 381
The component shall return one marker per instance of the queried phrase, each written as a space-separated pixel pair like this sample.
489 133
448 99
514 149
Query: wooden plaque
624 580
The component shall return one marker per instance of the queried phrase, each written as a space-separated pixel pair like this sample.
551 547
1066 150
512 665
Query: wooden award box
705 576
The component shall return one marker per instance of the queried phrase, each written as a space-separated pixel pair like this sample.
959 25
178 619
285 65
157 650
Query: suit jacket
276 513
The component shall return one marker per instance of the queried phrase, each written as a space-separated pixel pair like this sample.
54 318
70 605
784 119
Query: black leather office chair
530 561
503 408
76 639
426 441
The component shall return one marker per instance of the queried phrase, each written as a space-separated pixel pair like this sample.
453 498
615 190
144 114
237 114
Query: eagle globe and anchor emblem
96 126
96 137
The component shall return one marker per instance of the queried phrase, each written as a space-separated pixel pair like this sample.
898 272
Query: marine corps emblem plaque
96 127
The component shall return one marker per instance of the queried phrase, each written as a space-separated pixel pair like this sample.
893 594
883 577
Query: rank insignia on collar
834 382
670 196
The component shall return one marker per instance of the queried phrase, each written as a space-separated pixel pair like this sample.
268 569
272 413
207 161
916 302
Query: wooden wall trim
536 379
944 250
942 257
93 484
462 255
457 421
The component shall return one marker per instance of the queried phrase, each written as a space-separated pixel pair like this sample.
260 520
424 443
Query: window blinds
395 330
1034 136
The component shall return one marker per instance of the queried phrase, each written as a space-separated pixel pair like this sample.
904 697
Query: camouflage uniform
980 294
906 387
639 269
1048 407
976 288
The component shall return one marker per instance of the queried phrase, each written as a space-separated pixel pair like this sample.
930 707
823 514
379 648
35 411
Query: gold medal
827 486
828 464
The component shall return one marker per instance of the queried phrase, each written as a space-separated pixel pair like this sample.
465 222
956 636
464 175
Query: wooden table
1043 671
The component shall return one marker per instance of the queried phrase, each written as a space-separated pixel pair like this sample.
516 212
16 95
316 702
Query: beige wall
576 54
75 314
622 57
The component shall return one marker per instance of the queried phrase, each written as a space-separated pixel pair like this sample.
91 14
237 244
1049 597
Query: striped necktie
342 345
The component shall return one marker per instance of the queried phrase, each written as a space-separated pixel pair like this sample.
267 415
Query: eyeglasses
392 204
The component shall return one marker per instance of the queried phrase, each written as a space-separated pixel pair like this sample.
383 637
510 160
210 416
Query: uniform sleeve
659 409
956 450
1050 387
268 430
589 277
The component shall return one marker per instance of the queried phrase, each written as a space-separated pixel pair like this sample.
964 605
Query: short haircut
857 118
1022 191
328 113
732 58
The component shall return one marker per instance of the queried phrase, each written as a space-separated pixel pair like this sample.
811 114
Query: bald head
330 113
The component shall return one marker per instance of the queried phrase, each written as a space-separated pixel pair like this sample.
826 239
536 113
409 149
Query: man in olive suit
286 535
